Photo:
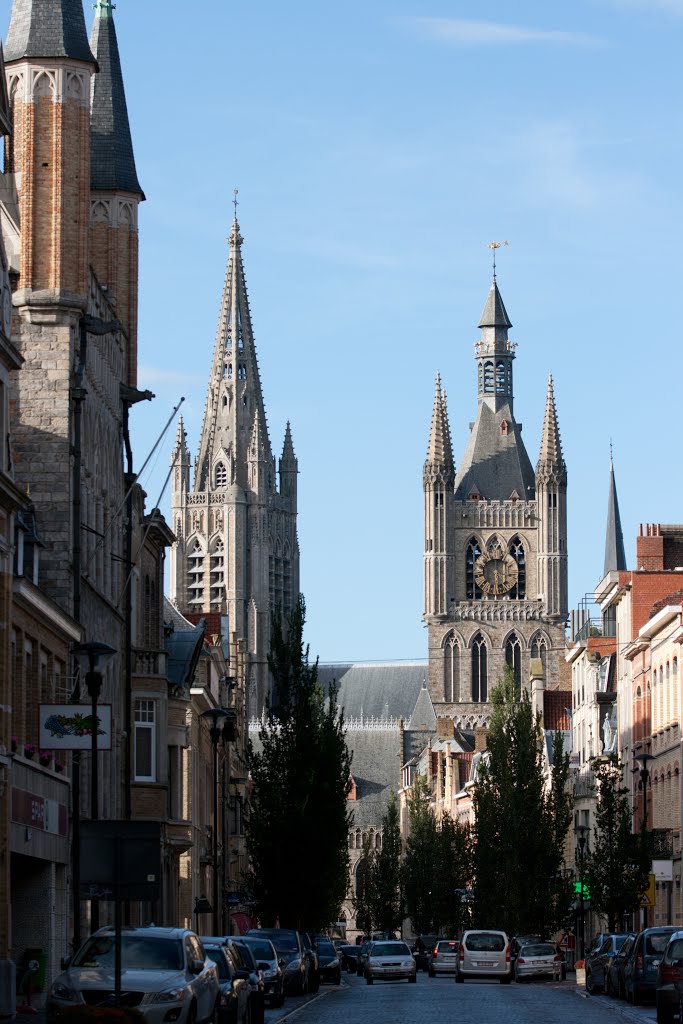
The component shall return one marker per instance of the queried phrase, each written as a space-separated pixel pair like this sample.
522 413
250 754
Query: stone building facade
237 551
495 558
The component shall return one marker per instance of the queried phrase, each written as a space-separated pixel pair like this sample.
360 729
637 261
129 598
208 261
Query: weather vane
494 246
235 192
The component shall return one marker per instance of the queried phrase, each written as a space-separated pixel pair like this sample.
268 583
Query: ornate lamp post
581 832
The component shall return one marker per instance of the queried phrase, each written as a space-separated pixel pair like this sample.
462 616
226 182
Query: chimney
650 547
481 736
444 728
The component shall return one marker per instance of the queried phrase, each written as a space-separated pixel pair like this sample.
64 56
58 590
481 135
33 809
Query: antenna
494 246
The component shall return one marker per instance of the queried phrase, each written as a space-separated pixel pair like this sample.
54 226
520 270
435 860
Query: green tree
520 827
618 862
386 901
297 830
418 865
452 875
363 900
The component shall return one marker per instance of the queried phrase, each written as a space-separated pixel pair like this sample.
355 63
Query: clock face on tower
495 571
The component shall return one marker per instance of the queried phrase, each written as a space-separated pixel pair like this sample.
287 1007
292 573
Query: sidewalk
635 1014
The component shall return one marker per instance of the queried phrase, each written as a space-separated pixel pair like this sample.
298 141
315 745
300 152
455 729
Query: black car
329 962
270 965
234 983
289 948
614 970
596 960
245 957
424 944
349 957
640 969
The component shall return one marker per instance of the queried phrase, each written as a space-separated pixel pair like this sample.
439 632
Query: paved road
440 999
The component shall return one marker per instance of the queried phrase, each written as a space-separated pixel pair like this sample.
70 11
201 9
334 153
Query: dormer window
504 428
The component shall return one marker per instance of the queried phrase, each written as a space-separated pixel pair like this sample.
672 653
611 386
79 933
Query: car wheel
635 997
665 1014
337 978
506 980
412 978
609 990
459 979
192 1014
314 983
518 979
590 984
432 974
369 979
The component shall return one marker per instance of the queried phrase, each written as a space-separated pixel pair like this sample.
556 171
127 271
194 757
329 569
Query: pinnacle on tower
551 457
288 454
112 158
48 28
495 314
615 555
440 449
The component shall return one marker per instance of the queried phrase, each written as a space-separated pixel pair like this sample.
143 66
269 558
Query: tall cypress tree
297 830
418 865
520 827
385 887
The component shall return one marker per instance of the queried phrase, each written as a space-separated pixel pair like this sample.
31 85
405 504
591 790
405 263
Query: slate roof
183 643
112 159
376 769
615 555
495 313
495 464
377 690
48 28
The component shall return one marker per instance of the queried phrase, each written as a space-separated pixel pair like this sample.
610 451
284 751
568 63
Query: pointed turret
181 460
495 313
259 460
289 468
615 555
551 503
551 459
112 167
41 29
440 450
234 397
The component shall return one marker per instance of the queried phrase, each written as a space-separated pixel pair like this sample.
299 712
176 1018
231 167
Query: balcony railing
584 785
661 843
149 663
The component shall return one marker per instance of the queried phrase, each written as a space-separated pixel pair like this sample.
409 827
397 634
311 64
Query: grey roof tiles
48 28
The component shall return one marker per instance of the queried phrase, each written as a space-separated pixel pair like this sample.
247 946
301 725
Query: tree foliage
297 831
362 901
437 869
521 826
617 863
386 902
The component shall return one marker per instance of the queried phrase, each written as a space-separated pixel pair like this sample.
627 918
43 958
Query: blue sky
377 148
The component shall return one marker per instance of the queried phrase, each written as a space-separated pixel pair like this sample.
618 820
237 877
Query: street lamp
92 658
581 832
217 718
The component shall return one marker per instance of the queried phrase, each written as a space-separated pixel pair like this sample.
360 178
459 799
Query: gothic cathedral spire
615 555
438 477
551 499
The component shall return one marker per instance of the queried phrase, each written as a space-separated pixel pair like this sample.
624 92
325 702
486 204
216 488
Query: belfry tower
495 539
237 552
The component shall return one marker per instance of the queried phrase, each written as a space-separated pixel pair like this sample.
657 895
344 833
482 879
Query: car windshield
619 941
539 949
261 950
675 950
218 957
138 952
326 948
448 947
485 942
284 942
656 943
389 949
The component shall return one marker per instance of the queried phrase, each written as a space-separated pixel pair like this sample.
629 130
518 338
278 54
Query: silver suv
165 974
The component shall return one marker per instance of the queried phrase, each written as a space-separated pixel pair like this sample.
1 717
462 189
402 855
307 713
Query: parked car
165 972
289 949
234 983
640 969
596 960
270 965
484 954
669 981
349 955
444 957
390 960
538 959
247 961
424 944
517 941
614 969
329 961
313 965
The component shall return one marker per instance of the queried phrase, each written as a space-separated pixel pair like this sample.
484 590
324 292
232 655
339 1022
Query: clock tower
495 539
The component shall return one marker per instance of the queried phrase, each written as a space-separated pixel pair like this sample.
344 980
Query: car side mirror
65 962
196 966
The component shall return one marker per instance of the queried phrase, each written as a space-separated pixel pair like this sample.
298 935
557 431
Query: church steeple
551 503
494 352
112 167
551 459
440 450
615 555
41 29
234 397
438 478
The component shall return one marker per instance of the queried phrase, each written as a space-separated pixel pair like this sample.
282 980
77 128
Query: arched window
221 475
358 839
539 649
473 553
195 572
501 378
378 840
488 376
480 688
516 549
451 670
513 657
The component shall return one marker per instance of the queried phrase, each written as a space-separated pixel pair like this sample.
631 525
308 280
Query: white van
484 954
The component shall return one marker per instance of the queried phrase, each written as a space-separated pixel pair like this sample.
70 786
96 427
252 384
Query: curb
625 1010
